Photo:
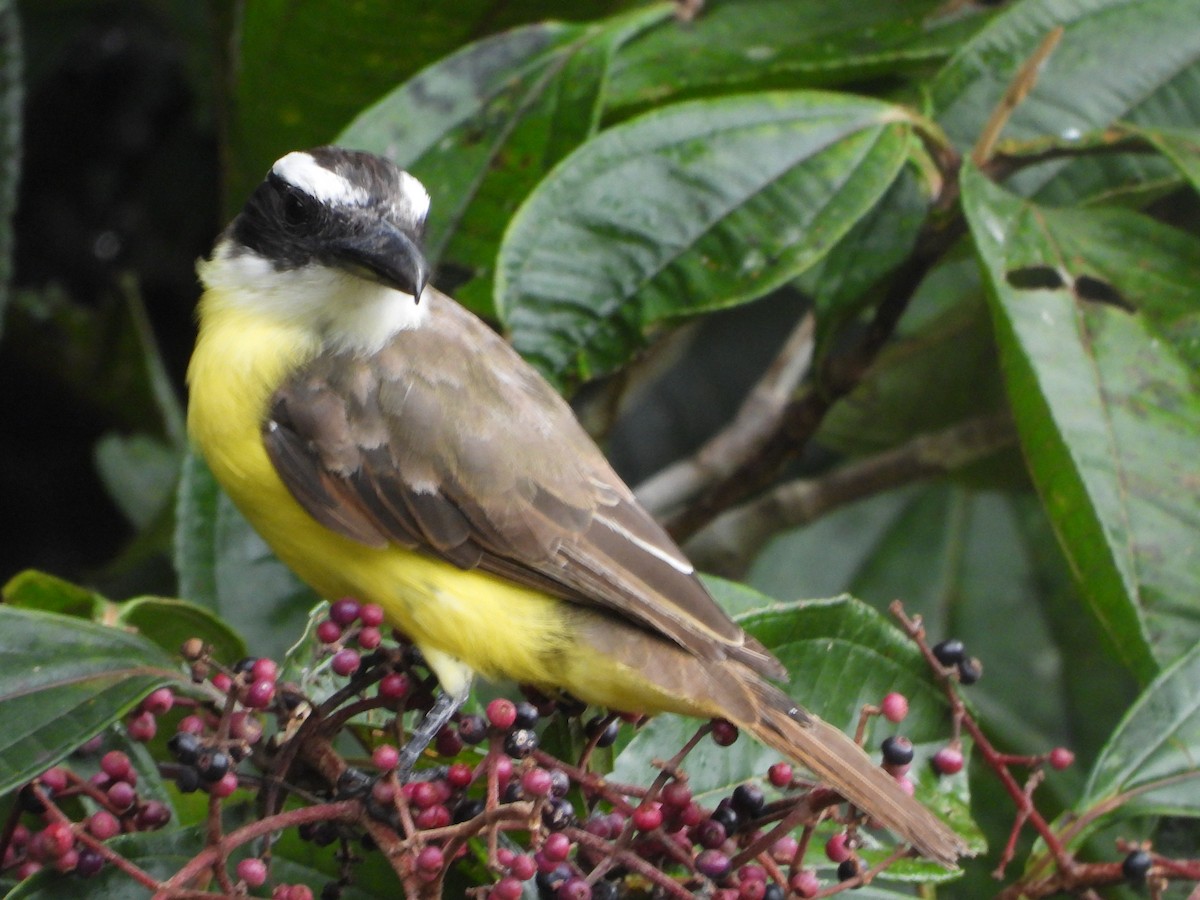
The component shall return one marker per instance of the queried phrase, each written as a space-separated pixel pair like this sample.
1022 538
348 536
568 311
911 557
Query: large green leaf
694 207
483 125
62 679
223 564
1088 82
741 44
1152 755
305 68
1097 315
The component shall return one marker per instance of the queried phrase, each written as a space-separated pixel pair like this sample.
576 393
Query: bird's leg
443 709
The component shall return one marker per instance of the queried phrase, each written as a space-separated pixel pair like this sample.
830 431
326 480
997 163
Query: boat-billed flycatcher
388 445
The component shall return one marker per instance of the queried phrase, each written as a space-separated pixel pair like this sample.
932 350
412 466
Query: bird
389 445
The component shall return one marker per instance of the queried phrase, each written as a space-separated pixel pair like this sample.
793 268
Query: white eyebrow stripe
301 170
414 196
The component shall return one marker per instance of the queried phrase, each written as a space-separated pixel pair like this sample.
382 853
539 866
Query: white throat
348 312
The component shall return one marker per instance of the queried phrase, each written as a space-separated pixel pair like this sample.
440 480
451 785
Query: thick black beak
384 254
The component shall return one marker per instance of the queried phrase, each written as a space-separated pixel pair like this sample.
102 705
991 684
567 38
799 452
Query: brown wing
448 441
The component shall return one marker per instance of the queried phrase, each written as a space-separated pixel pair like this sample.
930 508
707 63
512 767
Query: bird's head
328 238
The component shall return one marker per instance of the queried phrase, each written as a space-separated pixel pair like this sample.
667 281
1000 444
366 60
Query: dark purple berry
345 662
187 779
713 864
847 869
558 814
748 800
520 742
185 747
603 729
724 733
345 611
711 834
969 670
526 715
213 765
472 729
89 863
897 750
727 816
575 889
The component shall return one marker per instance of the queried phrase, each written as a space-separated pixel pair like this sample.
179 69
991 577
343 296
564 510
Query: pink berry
575 888
502 713
557 847
385 757
783 851
159 701
836 849
142 727
345 611
434 817
259 694
121 795
894 707
191 725
222 682
523 867
225 785
647 817
369 637
948 761
431 859
780 774
345 662
677 794
253 871
54 780
724 733
805 883
264 669
57 839
1061 758
115 765
395 686
328 631
507 888
371 614
103 825
906 785
537 782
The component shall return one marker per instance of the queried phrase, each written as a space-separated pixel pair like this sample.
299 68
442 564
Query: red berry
222 682
502 713
371 614
246 727
894 707
836 849
56 839
152 815
431 859
264 669
385 757
780 774
948 761
557 847
142 727
460 775
425 794
647 817
345 662
1061 758
259 694
328 631
103 825
67 861
677 794
434 817
115 765
783 851
191 725
395 686
575 888
752 890
345 611
369 637
724 733
159 701
253 871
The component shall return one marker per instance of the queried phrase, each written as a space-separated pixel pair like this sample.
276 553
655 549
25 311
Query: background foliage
647 206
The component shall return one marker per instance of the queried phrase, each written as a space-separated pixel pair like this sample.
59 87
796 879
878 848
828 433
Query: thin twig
1017 91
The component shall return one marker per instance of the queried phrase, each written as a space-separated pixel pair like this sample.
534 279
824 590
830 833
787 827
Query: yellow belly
491 626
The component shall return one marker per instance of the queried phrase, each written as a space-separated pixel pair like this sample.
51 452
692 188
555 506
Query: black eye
295 209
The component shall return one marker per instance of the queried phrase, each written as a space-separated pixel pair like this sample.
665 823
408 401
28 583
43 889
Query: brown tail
839 762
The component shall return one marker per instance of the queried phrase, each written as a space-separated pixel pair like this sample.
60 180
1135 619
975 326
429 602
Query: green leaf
481 127
139 472
40 591
691 208
1082 86
1181 146
224 565
11 97
62 680
1096 315
169 622
734 46
840 655
1152 754
303 72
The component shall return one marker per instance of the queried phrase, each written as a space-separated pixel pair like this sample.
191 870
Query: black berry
607 730
969 671
185 747
847 869
949 652
897 750
748 800
1136 866
527 715
520 742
